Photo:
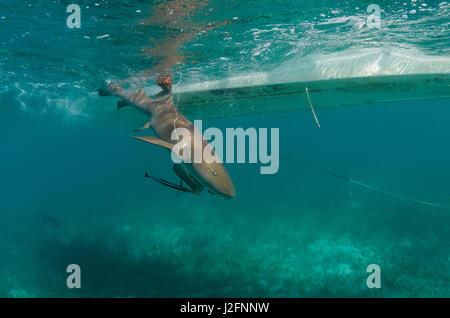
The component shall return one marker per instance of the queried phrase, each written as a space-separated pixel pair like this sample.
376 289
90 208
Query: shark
164 119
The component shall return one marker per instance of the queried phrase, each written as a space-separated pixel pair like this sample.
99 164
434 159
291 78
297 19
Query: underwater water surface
72 182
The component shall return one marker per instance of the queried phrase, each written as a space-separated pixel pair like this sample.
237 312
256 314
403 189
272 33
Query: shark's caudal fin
122 103
103 92
165 95
137 98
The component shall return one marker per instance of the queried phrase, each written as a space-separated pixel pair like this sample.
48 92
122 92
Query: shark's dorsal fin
146 126
156 141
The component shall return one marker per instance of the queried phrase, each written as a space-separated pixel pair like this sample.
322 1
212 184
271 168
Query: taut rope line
365 185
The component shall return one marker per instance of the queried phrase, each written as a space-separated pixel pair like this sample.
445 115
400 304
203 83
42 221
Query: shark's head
215 178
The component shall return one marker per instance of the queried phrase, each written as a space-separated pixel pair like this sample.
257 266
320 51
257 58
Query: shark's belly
168 128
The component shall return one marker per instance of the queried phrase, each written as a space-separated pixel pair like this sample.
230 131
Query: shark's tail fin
165 83
122 103
103 92
137 98
165 96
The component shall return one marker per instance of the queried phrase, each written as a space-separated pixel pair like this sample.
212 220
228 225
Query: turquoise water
72 184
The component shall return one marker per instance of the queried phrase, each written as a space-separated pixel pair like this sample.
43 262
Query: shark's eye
215 173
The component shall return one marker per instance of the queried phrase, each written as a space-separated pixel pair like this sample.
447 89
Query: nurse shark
164 119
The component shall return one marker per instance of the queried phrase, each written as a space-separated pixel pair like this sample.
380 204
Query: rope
396 195
365 185
175 128
312 108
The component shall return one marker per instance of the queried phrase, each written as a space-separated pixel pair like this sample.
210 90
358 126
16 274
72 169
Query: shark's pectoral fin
156 141
146 126
184 175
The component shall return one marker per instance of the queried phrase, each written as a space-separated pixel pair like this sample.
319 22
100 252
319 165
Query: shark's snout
216 178
221 184
228 192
